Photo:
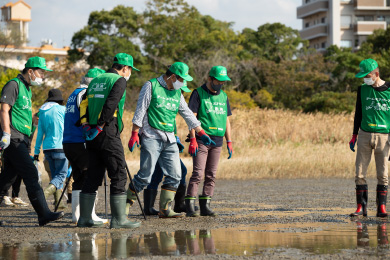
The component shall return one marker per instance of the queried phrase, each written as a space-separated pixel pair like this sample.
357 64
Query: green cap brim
134 68
185 89
187 77
223 78
361 75
46 69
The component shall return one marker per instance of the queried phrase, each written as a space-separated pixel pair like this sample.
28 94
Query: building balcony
368 27
319 30
371 5
312 8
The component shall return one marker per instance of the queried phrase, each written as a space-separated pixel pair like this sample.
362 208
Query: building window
346 43
323 20
323 45
346 21
56 59
380 18
356 42
365 18
387 2
307 1
307 25
18 57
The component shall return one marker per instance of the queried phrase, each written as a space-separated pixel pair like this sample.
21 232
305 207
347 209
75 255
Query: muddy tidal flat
262 219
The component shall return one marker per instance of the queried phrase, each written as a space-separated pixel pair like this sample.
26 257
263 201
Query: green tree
7 75
274 42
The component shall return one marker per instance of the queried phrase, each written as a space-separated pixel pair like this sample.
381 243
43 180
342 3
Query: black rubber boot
69 201
39 204
180 205
361 200
381 199
204 204
149 199
190 207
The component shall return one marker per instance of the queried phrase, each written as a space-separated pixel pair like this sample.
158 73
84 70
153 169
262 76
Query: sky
59 20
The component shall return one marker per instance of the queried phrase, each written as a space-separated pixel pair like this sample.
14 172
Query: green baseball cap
220 73
366 66
125 59
185 87
180 69
36 62
93 73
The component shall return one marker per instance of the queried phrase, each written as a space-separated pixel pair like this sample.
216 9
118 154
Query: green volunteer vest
212 112
21 114
163 107
375 110
98 91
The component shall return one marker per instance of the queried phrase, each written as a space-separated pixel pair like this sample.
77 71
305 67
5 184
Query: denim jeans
158 176
166 154
58 167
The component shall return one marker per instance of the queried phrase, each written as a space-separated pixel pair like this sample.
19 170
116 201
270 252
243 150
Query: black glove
36 157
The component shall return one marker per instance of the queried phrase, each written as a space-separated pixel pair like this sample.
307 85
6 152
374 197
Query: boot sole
128 227
180 216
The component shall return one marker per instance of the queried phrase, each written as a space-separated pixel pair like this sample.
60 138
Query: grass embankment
277 144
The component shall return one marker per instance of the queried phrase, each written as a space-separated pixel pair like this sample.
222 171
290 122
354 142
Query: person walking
50 135
74 143
210 105
16 121
106 98
158 103
372 125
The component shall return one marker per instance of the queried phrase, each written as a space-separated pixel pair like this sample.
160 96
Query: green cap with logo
185 87
125 59
93 73
219 73
366 66
180 69
36 62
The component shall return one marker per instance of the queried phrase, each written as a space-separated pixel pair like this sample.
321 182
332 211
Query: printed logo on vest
98 87
378 106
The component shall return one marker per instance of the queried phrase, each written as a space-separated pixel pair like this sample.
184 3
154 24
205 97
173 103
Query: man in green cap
210 105
74 142
106 98
372 123
16 122
158 103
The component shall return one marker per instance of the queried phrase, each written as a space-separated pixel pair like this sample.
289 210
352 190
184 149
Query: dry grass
278 144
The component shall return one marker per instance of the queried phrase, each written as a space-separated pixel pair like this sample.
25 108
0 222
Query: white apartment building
345 23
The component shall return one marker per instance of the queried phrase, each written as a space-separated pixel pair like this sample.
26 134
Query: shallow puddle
306 239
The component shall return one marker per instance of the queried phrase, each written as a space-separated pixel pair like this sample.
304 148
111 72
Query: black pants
15 188
106 152
77 155
17 161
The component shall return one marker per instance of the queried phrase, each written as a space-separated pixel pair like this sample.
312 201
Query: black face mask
216 87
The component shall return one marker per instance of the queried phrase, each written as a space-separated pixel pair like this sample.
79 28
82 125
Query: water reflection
235 241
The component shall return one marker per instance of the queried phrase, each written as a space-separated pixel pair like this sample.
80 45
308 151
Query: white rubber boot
75 206
94 216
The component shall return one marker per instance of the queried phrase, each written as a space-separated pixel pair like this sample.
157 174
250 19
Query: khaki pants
380 144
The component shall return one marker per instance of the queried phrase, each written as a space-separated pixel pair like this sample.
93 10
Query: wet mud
291 219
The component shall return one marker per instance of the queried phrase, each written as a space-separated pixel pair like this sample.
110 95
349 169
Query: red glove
193 148
352 143
230 148
205 138
133 140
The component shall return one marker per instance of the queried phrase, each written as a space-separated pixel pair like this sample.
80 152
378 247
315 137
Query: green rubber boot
131 197
57 196
87 201
166 199
118 213
50 190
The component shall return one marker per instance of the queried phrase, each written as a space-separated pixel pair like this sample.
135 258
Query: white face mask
128 77
37 81
177 84
369 81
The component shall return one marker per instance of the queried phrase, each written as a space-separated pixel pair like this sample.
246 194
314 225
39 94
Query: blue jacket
72 133
50 127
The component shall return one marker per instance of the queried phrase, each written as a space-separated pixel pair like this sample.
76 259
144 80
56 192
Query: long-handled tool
66 186
136 194
105 193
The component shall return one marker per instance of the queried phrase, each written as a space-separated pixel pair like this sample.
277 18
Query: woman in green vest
16 122
210 105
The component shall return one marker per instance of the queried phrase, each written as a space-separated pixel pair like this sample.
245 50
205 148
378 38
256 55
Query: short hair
169 73
118 66
24 71
85 80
